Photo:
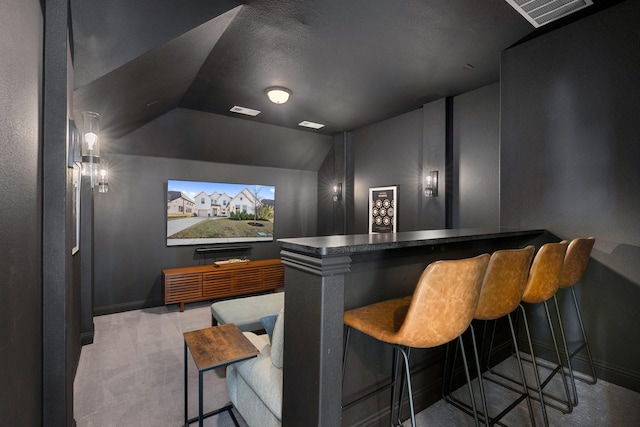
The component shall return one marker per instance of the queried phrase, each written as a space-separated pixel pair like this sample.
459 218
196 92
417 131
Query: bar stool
573 269
440 309
542 284
501 293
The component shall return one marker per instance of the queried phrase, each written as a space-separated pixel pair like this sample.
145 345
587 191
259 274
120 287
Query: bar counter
329 274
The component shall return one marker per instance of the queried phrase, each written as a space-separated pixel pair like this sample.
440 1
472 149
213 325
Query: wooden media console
206 282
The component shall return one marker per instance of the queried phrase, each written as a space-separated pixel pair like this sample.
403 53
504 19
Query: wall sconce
337 192
431 184
90 148
103 181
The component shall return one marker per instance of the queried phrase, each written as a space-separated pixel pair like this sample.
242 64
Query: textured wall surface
569 163
130 223
21 44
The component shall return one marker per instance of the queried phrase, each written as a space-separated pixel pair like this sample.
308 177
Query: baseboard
127 306
608 372
87 337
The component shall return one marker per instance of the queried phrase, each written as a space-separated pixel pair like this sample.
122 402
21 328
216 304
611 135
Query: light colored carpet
132 375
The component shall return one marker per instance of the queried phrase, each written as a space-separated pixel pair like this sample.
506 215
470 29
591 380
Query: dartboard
383 211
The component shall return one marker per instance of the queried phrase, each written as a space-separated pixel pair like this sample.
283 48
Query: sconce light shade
90 135
90 146
337 192
431 184
278 95
103 180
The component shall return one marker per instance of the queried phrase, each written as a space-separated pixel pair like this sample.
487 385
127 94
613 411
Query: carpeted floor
132 375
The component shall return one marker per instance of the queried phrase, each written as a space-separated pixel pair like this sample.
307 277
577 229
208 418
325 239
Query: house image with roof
179 203
223 205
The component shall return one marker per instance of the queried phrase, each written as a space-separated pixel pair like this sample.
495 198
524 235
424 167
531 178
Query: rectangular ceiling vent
541 12
244 110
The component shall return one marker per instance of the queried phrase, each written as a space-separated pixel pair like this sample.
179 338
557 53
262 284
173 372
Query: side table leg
186 415
200 418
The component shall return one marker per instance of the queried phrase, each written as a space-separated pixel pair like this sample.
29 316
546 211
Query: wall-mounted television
201 212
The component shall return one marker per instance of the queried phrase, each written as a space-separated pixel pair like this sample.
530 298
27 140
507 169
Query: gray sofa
255 385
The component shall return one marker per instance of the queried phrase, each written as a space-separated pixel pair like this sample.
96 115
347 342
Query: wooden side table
212 348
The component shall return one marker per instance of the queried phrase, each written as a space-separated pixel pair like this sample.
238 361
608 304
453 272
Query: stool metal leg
536 374
572 401
407 374
466 372
483 398
535 366
347 335
559 366
521 368
394 382
585 343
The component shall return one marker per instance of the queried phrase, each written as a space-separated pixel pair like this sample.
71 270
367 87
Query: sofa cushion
246 312
277 344
269 323
264 379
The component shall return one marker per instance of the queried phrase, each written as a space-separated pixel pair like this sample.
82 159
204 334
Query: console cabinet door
183 288
273 276
247 280
217 284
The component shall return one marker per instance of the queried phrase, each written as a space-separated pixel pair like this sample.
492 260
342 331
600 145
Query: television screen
217 212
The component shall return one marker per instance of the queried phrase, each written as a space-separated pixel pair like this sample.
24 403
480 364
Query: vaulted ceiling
348 63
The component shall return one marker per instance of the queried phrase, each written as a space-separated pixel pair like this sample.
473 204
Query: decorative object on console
383 209
230 261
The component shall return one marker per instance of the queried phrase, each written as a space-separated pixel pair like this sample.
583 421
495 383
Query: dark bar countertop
326 274
358 243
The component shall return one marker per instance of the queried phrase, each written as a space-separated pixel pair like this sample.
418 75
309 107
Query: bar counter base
325 276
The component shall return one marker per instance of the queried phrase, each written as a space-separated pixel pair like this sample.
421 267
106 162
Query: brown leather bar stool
441 309
573 269
542 284
502 290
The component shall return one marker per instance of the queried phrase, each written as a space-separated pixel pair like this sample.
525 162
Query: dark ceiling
348 63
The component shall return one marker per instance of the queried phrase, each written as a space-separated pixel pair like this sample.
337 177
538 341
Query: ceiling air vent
541 12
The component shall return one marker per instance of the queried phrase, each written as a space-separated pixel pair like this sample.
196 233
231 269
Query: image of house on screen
216 204
179 203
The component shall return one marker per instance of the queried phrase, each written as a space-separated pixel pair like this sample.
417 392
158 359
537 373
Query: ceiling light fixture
278 95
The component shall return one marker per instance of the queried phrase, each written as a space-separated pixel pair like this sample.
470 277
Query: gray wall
385 154
334 170
21 44
60 313
476 158
401 150
130 223
569 163
434 148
